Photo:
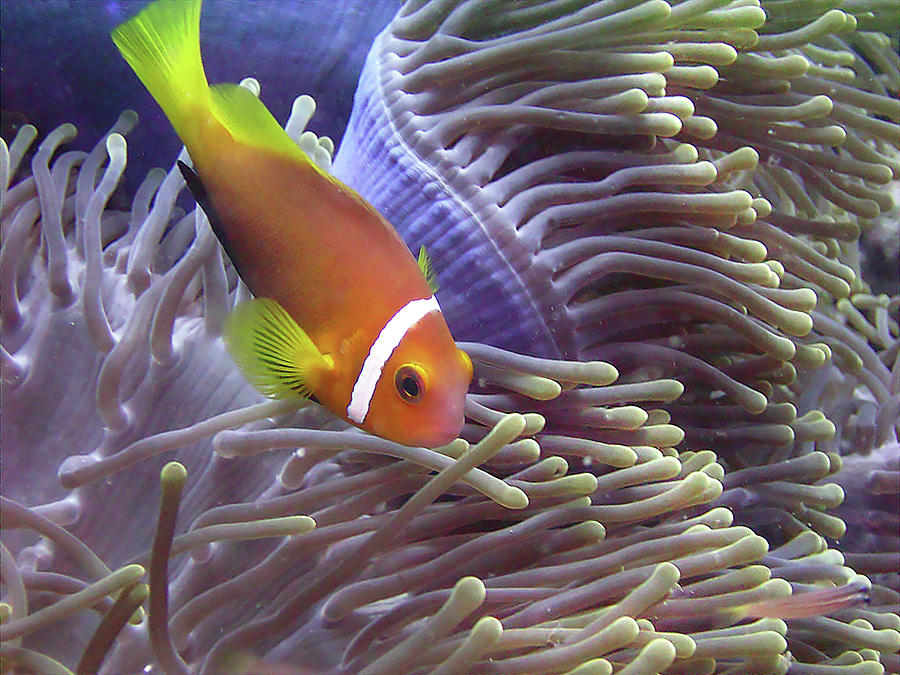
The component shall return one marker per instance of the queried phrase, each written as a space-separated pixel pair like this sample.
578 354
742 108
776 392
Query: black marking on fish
198 190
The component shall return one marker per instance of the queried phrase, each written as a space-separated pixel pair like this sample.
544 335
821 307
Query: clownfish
343 312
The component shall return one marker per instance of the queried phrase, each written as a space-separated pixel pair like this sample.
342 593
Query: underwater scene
450 336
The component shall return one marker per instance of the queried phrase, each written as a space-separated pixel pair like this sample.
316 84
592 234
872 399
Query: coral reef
659 203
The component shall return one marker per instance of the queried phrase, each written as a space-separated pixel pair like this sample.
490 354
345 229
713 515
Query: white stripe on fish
381 350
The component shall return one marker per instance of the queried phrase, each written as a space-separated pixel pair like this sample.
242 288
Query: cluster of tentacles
668 196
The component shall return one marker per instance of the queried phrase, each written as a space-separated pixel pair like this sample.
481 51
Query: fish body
343 312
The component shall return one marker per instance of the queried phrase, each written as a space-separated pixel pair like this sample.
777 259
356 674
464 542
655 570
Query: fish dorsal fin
250 122
273 352
424 263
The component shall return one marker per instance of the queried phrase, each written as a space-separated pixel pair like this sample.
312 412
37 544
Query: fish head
420 398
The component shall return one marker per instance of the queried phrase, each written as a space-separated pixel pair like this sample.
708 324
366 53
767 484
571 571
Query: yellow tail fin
162 46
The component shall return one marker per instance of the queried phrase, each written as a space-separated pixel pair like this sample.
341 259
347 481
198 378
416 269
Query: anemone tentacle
674 207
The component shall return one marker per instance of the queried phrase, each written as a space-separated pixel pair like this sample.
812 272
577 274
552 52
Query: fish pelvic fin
162 45
273 352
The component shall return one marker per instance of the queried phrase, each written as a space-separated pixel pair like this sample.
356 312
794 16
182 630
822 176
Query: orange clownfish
343 312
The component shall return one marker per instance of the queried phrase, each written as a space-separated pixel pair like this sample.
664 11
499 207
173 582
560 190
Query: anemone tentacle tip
650 248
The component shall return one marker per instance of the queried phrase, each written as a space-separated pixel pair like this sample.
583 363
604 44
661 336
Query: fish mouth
450 429
453 430
446 431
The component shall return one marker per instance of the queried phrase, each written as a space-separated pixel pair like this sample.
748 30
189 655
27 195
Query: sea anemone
667 196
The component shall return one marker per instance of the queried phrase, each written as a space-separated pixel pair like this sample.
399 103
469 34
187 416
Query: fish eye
410 383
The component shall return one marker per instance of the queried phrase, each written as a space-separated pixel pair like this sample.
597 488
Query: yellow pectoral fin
273 352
